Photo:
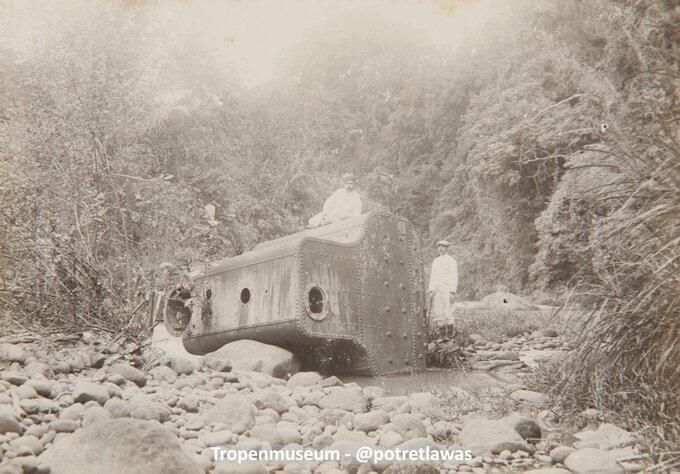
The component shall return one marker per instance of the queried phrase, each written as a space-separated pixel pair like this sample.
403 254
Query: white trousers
441 304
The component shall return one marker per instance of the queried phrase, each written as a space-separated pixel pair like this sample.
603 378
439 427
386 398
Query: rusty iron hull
347 297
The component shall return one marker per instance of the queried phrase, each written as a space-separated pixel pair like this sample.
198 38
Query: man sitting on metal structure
342 204
443 283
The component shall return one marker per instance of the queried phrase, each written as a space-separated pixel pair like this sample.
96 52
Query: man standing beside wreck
342 204
443 283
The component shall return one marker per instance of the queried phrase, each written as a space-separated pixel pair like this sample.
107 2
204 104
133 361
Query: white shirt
341 205
444 274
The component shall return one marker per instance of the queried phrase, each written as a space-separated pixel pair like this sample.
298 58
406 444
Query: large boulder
390 439
235 411
25 391
335 417
254 356
255 380
592 460
119 445
342 398
183 366
560 453
529 396
216 438
118 408
267 433
408 426
425 403
371 421
163 373
84 391
266 398
481 435
42 387
28 441
13 353
9 421
38 368
607 436
502 300
304 379
73 412
95 413
143 407
15 378
389 403
525 426
64 426
129 373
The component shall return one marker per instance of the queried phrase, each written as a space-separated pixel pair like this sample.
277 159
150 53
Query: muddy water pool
433 378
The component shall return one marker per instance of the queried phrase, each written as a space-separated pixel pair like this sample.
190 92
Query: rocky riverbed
81 406
517 355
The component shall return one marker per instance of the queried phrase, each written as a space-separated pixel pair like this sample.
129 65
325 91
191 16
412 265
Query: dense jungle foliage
544 146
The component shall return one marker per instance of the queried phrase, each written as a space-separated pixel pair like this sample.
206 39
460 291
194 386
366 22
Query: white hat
445 243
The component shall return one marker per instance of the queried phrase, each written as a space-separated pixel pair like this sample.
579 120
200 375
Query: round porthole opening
315 299
177 312
245 295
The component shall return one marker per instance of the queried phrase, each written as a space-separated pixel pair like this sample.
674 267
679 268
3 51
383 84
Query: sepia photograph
339 236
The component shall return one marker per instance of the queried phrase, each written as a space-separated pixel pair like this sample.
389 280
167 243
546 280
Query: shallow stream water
432 378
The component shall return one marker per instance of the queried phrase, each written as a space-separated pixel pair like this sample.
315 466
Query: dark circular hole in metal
315 300
245 295
177 314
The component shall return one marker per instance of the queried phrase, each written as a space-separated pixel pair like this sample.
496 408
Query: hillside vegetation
544 146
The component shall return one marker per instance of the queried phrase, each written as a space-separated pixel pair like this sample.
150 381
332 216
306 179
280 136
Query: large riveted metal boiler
347 297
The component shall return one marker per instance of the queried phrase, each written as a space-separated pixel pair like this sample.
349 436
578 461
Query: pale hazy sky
250 34
261 29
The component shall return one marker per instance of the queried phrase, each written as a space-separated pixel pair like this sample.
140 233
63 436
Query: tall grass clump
628 360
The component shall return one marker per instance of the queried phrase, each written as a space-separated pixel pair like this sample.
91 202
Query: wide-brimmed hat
445 243
348 177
